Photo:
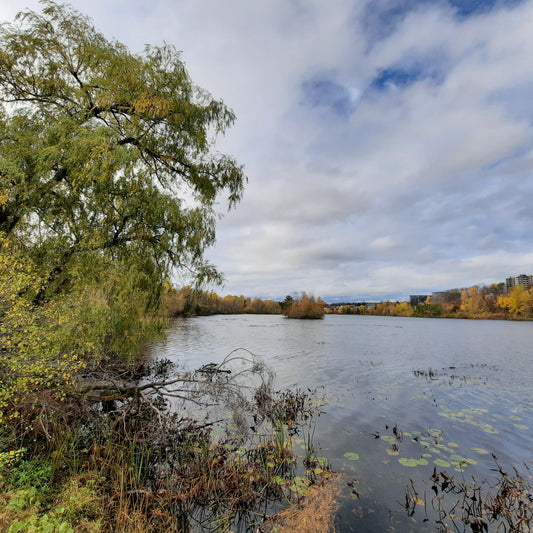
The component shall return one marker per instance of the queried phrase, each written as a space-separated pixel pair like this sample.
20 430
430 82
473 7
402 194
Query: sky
388 144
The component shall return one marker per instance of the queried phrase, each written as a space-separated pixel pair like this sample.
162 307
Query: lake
452 387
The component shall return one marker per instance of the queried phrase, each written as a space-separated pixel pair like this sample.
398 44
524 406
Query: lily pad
521 426
406 461
445 448
458 458
300 486
388 438
352 456
301 481
392 451
442 462
480 451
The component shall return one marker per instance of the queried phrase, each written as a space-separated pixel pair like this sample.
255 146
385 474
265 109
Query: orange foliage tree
305 307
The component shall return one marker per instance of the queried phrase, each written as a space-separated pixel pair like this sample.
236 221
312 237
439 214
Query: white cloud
360 192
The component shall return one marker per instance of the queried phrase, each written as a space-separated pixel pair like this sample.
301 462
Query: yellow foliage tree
404 309
472 302
31 359
518 301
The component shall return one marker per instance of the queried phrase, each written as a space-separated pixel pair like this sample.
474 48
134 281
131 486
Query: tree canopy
108 182
106 152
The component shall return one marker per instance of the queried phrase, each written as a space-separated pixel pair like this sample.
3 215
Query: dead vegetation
314 512
159 451
503 504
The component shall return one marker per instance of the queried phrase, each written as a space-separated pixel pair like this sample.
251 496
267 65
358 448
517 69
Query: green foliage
30 474
428 310
99 148
287 302
30 358
25 506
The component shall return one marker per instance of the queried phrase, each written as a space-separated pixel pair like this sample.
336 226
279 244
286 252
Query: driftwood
233 383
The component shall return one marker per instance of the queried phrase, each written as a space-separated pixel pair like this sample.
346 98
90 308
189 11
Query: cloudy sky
388 143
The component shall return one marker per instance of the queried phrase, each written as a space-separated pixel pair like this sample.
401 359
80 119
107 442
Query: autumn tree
108 184
404 309
518 301
472 302
108 180
305 307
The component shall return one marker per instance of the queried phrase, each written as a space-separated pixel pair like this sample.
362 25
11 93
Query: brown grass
315 512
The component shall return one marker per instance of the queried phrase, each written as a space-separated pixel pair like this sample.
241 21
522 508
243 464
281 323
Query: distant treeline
189 302
492 302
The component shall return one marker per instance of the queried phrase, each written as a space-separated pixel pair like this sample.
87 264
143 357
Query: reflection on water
468 383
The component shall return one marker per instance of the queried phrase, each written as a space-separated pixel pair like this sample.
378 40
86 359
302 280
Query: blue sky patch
467 8
401 77
382 17
321 92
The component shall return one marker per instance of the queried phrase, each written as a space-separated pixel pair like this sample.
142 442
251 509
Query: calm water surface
464 382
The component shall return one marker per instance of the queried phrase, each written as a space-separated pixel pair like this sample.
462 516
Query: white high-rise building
523 279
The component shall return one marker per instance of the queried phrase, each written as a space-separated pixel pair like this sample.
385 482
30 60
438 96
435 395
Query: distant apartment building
523 279
416 299
452 296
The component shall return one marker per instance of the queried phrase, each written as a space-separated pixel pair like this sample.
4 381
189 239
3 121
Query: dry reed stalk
315 512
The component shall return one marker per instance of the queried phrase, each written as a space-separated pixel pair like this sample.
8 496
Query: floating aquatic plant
352 456
480 451
408 461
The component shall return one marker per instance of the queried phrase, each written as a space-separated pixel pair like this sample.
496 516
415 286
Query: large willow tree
108 176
